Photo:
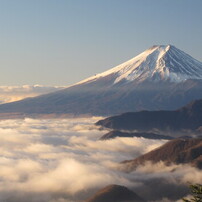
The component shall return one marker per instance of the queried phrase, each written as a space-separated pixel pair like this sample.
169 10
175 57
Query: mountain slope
162 77
178 151
114 134
158 63
115 193
186 118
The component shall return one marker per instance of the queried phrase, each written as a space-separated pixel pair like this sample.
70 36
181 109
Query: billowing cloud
14 93
64 160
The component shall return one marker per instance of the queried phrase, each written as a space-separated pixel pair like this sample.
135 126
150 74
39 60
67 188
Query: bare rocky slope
177 151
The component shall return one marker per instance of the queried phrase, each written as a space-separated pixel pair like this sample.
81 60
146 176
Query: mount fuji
162 77
158 63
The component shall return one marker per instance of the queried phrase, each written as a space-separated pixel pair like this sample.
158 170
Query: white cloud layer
63 160
14 93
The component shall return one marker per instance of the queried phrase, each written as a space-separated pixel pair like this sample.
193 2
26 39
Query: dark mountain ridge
115 193
114 134
188 117
177 151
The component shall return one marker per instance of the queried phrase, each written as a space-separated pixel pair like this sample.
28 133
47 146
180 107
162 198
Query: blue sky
60 42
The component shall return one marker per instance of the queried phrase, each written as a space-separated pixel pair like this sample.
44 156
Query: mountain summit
158 63
162 77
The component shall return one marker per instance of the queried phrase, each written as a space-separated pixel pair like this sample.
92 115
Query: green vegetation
196 192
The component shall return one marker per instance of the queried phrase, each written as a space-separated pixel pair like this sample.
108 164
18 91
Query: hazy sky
60 42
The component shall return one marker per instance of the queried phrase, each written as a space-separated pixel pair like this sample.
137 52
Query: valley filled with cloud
63 160
100 101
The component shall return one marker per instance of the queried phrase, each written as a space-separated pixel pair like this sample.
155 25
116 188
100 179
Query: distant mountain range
187 118
115 193
177 151
162 77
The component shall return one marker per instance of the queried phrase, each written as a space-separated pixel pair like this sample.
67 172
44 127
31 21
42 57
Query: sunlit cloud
64 160
15 93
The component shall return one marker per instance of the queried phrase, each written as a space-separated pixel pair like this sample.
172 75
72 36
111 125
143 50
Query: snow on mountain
164 62
131 86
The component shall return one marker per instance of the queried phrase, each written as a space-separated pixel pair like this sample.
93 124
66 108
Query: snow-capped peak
158 63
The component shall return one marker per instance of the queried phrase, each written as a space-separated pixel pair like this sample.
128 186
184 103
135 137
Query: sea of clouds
15 93
63 160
